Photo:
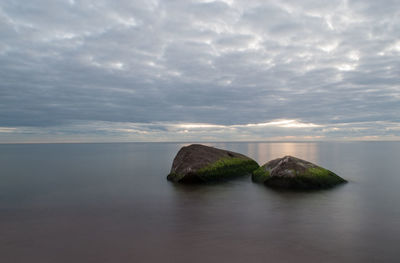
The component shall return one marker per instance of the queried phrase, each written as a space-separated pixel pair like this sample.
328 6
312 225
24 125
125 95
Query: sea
111 202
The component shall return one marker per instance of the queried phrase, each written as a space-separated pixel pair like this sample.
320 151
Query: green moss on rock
227 168
318 177
260 175
199 163
293 173
175 177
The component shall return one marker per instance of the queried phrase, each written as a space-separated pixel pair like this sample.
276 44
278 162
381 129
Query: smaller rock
293 173
198 163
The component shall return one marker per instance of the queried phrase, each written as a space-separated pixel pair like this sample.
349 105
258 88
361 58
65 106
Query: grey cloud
218 62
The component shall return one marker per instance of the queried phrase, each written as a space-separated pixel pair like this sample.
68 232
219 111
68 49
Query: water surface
112 203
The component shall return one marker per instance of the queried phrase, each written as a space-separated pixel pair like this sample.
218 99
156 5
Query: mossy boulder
293 173
198 163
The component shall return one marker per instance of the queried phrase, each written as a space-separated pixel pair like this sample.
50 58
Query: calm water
112 203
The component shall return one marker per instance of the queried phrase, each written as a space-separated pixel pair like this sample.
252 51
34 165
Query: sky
185 70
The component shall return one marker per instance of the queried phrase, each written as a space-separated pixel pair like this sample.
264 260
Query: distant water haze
112 203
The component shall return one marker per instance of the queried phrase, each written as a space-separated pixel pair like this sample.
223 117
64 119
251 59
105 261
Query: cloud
221 63
275 130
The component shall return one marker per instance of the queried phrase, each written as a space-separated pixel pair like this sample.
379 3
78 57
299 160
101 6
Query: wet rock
198 163
293 173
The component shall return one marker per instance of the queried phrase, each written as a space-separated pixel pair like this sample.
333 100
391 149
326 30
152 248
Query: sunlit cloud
284 124
279 130
198 126
7 129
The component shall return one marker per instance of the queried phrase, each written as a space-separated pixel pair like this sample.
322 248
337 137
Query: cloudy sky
180 70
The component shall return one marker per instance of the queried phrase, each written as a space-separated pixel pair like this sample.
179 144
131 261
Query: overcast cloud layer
199 70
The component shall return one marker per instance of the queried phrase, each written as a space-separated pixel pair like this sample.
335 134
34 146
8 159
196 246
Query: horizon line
194 142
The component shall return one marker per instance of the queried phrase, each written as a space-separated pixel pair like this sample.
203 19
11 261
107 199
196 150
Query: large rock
293 173
198 163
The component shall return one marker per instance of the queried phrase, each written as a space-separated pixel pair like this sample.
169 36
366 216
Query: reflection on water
265 152
112 203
